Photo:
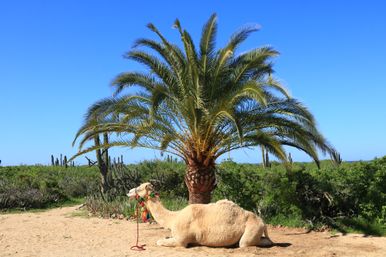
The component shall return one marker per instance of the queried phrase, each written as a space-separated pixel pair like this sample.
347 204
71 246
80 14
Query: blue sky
58 57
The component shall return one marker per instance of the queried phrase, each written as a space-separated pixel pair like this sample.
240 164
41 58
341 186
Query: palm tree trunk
263 162
200 181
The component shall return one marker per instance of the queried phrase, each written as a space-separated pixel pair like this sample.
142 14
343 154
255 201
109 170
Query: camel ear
156 184
149 187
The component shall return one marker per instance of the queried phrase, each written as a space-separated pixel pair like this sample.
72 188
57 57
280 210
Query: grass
174 204
82 213
358 225
284 198
67 203
122 205
344 226
292 221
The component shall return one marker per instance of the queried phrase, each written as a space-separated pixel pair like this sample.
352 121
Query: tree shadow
368 229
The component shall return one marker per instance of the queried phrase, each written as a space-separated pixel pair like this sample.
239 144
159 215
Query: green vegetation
349 197
82 213
199 102
121 205
25 187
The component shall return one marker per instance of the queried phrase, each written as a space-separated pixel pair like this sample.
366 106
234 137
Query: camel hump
225 201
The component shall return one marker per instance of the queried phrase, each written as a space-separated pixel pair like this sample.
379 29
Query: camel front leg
169 242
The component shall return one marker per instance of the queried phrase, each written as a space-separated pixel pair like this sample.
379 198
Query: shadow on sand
237 246
279 245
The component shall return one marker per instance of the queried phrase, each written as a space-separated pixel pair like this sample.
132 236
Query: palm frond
201 103
208 41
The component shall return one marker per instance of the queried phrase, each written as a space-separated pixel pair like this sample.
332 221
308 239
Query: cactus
65 161
52 160
105 155
57 162
290 158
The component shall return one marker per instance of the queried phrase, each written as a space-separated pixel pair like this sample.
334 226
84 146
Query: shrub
306 194
124 207
167 176
39 186
268 192
351 194
96 205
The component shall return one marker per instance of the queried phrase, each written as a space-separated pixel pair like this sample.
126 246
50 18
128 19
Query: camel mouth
131 193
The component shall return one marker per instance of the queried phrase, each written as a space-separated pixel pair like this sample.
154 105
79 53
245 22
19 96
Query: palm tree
200 103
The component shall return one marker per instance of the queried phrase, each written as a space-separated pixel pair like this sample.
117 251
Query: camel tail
266 232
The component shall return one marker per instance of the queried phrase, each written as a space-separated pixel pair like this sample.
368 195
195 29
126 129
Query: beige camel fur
223 223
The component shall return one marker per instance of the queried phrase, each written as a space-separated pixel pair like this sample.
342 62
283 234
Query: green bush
267 192
306 194
345 196
41 186
124 206
96 205
167 176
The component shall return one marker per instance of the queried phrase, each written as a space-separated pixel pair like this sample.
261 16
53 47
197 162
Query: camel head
143 190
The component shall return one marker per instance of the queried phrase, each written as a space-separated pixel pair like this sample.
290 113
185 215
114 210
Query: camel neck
163 216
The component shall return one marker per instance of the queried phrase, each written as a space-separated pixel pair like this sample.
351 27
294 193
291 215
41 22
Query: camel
219 224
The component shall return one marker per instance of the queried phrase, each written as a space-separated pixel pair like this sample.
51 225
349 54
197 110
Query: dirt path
63 232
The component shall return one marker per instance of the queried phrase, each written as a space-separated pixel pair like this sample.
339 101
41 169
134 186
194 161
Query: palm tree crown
199 103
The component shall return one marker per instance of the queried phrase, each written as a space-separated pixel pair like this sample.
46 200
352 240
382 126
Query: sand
70 232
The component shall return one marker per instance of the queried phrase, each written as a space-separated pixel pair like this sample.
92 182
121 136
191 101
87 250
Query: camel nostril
131 193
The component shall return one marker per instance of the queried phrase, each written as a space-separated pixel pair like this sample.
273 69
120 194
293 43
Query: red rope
137 247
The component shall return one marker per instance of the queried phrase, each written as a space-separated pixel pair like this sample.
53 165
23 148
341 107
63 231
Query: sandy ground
67 232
